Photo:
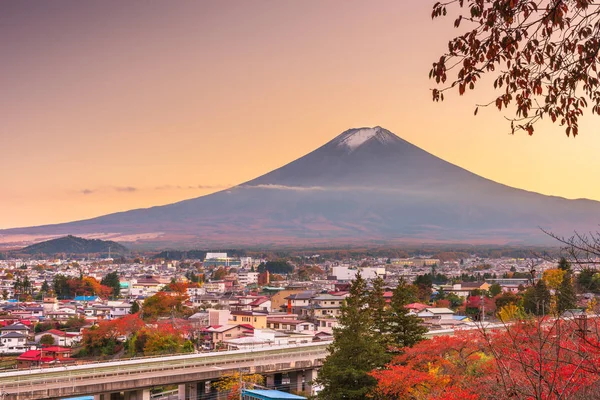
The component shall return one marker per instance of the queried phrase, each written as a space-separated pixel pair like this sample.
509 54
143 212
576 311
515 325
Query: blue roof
86 298
80 398
270 394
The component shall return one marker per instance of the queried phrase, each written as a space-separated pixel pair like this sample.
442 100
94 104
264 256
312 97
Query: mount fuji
366 185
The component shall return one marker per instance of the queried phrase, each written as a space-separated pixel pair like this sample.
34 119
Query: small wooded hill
75 245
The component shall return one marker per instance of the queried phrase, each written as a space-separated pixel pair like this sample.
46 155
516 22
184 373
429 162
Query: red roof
34 355
60 333
416 306
247 326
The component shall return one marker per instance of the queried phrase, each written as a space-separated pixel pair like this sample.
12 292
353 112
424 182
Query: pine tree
536 299
564 264
376 303
565 295
405 329
354 352
135 308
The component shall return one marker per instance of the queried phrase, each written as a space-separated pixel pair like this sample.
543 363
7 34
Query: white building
348 274
247 278
215 256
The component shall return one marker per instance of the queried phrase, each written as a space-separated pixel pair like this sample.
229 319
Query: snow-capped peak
354 138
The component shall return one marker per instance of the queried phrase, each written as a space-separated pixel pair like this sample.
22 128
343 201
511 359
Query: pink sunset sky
112 105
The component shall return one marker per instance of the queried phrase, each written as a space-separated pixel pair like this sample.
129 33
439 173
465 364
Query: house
298 301
118 309
416 307
436 313
285 324
65 339
17 327
14 343
257 320
323 305
326 324
219 334
46 356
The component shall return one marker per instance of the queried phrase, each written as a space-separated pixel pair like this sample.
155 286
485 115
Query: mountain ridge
74 245
365 184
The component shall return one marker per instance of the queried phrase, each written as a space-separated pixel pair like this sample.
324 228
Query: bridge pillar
296 381
270 381
309 376
188 391
140 394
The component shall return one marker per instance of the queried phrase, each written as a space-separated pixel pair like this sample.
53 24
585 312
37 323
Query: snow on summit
355 138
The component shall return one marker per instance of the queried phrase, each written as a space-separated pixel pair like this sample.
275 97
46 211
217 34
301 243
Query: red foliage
532 359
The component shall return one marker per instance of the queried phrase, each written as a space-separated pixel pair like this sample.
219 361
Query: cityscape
309 200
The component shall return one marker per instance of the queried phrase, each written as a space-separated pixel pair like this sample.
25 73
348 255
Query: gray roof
16 335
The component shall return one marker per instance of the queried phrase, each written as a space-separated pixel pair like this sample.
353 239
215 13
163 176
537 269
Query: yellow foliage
231 383
592 305
510 312
553 277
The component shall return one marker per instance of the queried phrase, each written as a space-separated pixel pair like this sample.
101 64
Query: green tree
564 264
47 340
536 299
111 280
565 295
61 286
495 289
354 352
405 328
379 314
588 280
135 308
45 287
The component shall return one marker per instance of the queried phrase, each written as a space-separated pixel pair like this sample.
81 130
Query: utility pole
240 385
482 308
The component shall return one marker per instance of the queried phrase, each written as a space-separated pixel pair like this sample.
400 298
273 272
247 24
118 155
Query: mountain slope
366 184
74 245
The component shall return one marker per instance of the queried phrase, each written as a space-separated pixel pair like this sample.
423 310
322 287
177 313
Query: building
285 324
257 320
342 273
219 334
46 356
246 278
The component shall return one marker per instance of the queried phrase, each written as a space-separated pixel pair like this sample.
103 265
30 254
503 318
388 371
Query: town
57 310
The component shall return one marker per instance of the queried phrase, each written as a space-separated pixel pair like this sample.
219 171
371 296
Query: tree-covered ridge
75 245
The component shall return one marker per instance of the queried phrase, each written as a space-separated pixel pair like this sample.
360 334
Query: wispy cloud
167 187
284 187
125 189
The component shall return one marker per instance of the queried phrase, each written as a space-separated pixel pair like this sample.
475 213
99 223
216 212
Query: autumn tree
163 304
354 351
542 55
230 384
445 367
532 358
101 339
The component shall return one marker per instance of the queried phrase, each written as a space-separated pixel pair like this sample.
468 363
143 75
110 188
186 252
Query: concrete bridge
133 379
